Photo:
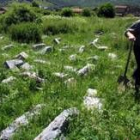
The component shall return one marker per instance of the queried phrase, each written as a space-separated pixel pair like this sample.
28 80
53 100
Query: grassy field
119 118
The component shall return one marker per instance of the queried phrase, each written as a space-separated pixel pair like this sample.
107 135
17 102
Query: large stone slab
58 125
47 49
13 63
23 120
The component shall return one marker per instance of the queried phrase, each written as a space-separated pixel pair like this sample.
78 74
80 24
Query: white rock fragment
38 46
57 40
82 49
21 121
96 57
60 75
13 63
26 66
73 57
71 82
40 61
102 47
32 75
91 92
94 42
8 47
70 68
112 56
92 102
86 69
22 56
58 125
8 80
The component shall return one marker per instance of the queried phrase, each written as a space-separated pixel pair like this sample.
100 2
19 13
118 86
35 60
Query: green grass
119 118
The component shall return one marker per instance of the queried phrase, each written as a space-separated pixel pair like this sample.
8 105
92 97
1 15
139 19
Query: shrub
35 4
106 10
86 12
67 12
19 13
25 32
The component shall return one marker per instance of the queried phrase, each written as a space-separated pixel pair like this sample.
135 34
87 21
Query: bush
67 12
86 12
106 10
19 13
25 32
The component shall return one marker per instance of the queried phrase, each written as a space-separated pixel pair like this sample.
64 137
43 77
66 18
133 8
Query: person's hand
131 37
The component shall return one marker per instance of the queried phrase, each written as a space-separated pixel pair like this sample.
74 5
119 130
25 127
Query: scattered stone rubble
57 40
57 127
7 133
82 49
91 101
22 56
70 68
26 66
45 50
60 75
86 69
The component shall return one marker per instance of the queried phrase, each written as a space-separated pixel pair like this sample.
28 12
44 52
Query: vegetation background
23 26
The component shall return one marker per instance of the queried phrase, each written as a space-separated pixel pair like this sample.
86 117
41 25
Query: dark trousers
136 74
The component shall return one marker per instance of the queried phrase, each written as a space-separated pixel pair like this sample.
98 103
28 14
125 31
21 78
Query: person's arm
130 36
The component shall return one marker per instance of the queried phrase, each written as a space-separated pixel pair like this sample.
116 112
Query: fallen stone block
8 47
26 66
60 75
38 46
7 133
86 69
45 50
22 56
8 80
58 125
13 63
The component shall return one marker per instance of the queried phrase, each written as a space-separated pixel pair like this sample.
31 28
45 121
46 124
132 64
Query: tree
106 10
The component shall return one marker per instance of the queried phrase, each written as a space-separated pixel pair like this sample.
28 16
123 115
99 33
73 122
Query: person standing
133 35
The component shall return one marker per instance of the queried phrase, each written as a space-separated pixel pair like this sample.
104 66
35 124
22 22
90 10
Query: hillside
88 3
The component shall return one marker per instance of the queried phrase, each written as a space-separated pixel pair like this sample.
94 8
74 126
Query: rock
58 125
26 66
60 75
96 57
86 69
91 92
70 68
112 56
8 47
92 102
8 80
57 40
73 57
71 82
7 133
94 42
47 49
102 47
33 75
38 46
40 61
13 63
22 56
82 49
